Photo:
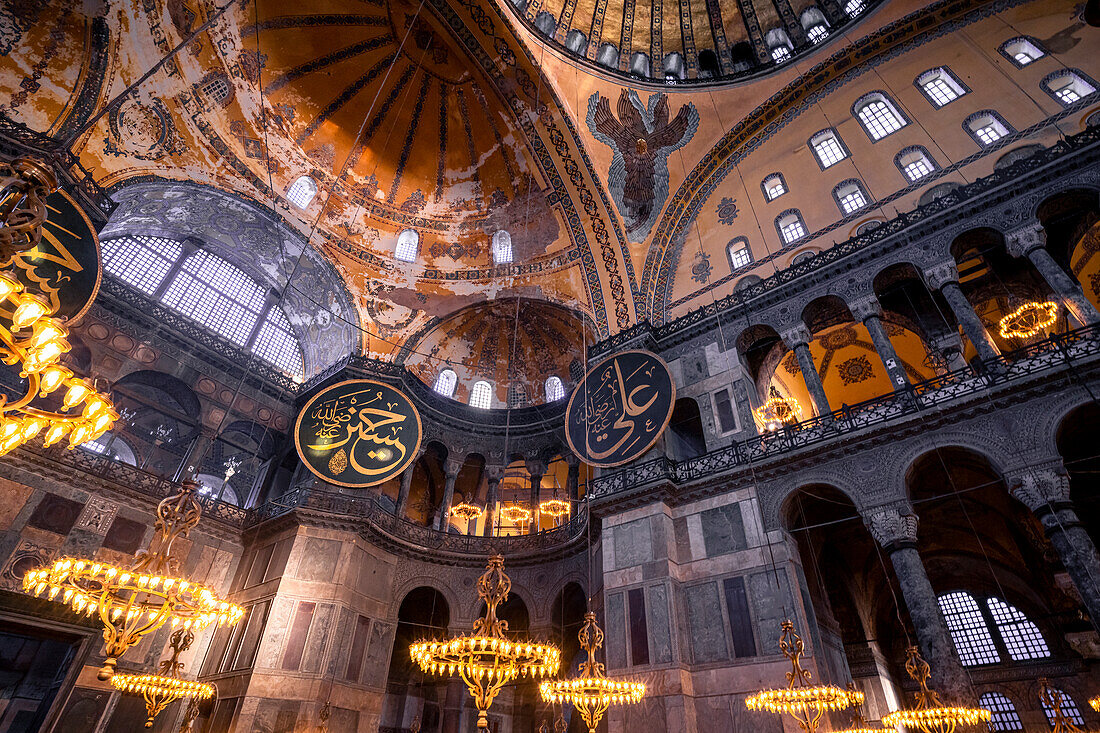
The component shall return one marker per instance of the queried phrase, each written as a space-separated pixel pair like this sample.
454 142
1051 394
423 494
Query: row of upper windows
481 395
209 290
1005 718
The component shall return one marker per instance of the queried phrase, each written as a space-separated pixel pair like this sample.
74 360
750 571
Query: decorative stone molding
1020 241
451 466
940 274
1041 489
892 527
865 307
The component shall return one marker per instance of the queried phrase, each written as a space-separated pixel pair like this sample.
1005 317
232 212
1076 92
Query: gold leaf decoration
338 462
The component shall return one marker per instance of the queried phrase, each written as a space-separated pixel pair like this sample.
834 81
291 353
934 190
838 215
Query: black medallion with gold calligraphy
358 433
620 409
65 266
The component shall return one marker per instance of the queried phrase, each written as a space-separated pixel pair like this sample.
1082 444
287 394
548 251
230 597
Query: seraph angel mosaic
641 137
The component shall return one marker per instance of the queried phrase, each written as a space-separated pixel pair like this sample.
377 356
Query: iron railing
1065 349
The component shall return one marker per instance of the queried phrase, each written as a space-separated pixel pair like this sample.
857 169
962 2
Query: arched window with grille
739 254
555 390
878 115
1068 86
850 196
1022 638
773 186
940 87
914 163
779 45
445 382
502 247
828 148
140 261
968 629
481 395
1069 707
986 127
408 243
1022 51
790 226
1004 717
301 192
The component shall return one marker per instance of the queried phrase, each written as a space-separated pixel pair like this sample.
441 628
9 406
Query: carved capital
1042 489
1020 241
536 468
494 472
865 307
892 526
797 335
451 467
940 274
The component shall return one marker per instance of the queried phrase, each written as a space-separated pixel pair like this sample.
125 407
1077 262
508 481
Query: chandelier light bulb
78 390
9 286
56 432
32 306
46 330
51 378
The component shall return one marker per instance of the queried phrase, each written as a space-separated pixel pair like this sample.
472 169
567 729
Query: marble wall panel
723 529
660 635
770 607
82 710
376 664
318 559
633 543
55 514
317 639
615 637
706 627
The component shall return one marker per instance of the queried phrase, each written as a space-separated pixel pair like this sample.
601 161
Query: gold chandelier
487 660
467 511
161 689
930 714
515 513
803 701
1053 700
555 508
1029 319
29 336
592 692
137 599
778 411
1094 703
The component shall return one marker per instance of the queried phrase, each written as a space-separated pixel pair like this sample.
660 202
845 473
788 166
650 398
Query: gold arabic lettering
352 419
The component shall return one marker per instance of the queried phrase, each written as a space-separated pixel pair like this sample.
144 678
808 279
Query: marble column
406 486
895 529
492 498
451 468
1045 491
944 277
1030 241
869 312
537 469
798 340
573 478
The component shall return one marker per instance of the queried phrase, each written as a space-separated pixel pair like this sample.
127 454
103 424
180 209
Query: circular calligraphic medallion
620 409
65 266
358 433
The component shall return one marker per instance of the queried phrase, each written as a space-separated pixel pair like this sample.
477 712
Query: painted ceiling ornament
727 210
142 130
641 138
701 268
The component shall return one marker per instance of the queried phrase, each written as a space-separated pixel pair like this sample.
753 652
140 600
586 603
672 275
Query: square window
828 150
740 257
791 229
852 201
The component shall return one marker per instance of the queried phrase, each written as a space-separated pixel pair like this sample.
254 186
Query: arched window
878 114
276 343
481 395
914 163
986 127
576 41
779 45
445 382
1004 718
639 64
739 254
790 226
139 260
868 226
804 257
746 282
301 192
854 7
608 56
545 22
502 247
938 192
773 186
850 196
828 149
814 23
1068 86
742 56
218 295
517 395
708 64
1022 51
968 629
408 242
940 86
674 67
1069 707
1022 638
555 390
216 89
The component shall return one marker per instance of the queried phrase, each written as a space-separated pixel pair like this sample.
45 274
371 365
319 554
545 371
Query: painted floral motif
701 269
855 370
727 210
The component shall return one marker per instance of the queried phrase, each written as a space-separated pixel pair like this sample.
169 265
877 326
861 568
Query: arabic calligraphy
358 433
620 409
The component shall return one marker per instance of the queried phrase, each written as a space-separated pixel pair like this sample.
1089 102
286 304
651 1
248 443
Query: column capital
536 468
940 274
451 467
796 335
1041 489
892 526
1024 239
572 459
494 472
865 307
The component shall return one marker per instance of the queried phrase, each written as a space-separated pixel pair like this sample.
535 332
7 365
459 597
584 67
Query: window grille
1022 638
555 390
854 7
781 54
276 343
139 260
850 198
879 118
481 395
445 382
1004 718
774 187
301 192
940 86
217 295
407 243
968 629
1069 708
986 128
827 148
791 228
914 164
739 256
817 33
502 247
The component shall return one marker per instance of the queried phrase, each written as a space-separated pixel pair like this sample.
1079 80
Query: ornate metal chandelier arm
24 185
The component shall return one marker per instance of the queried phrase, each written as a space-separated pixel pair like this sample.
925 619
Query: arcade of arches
863 237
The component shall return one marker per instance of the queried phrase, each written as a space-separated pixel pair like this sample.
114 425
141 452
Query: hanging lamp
801 699
161 689
1053 700
136 599
929 714
1029 319
592 692
487 659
